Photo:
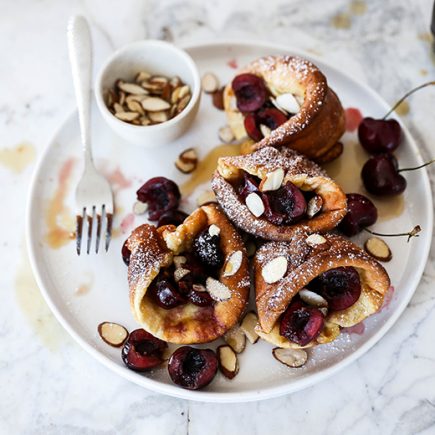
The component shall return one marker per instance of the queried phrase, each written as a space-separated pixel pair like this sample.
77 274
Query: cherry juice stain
232 63
353 117
59 219
358 329
18 158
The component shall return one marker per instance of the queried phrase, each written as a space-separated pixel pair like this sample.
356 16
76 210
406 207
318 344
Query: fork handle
80 56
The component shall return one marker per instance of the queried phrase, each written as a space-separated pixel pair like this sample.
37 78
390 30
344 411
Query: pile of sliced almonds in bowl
148 100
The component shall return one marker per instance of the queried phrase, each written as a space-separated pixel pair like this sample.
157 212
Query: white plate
59 272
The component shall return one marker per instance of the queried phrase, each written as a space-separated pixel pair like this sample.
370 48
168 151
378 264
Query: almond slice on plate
226 134
272 180
187 161
275 269
228 361
248 325
314 206
155 104
233 263
312 298
255 204
378 249
236 338
288 103
209 83
112 333
219 292
290 357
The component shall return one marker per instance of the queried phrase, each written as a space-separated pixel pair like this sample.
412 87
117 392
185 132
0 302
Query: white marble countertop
48 383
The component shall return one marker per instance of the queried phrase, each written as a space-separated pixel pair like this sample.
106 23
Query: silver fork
94 198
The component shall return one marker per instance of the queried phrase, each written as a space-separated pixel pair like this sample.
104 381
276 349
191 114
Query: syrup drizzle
207 166
18 158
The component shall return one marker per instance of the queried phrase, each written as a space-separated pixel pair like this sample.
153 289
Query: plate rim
230 397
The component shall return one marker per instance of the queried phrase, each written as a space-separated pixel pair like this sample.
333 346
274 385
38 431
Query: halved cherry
161 195
207 248
192 368
200 298
301 324
289 201
172 217
126 253
142 351
341 287
165 294
270 117
248 185
250 91
361 213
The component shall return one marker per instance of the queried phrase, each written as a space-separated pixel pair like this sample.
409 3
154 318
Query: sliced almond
181 105
206 197
179 260
137 98
159 80
175 82
158 117
118 108
219 292
288 103
121 98
173 111
109 97
135 106
233 263
184 91
314 205
153 88
127 116
228 361
378 249
142 76
236 338
290 357
209 83
140 207
248 325
324 311
144 120
265 130
187 161
272 180
275 269
112 333
226 134
214 230
180 273
155 104
315 240
273 100
255 204
175 95
312 298
218 98
132 88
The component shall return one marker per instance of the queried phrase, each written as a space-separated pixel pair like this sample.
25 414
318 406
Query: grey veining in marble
48 384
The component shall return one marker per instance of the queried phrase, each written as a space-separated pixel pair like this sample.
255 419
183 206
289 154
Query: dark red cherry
142 351
301 324
248 185
381 177
361 213
270 117
379 135
341 287
172 217
207 248
166 295
289 201
161 195
250 91
192 368
200 298
126 253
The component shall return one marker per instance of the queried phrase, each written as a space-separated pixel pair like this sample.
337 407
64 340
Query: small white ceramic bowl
155 57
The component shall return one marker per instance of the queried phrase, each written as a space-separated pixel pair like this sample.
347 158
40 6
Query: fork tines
96 223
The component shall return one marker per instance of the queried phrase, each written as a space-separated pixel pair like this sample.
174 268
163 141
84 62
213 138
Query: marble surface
48 383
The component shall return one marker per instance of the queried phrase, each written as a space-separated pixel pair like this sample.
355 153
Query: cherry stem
413 233
417 167
406 96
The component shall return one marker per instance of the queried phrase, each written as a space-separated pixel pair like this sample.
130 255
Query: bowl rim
196 91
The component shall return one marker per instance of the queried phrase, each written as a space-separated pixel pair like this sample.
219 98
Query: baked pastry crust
153 249
305 174
304 264
315 130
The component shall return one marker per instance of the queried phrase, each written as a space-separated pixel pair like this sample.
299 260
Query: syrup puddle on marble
206 167
346 172
59 219
18 158
34 308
